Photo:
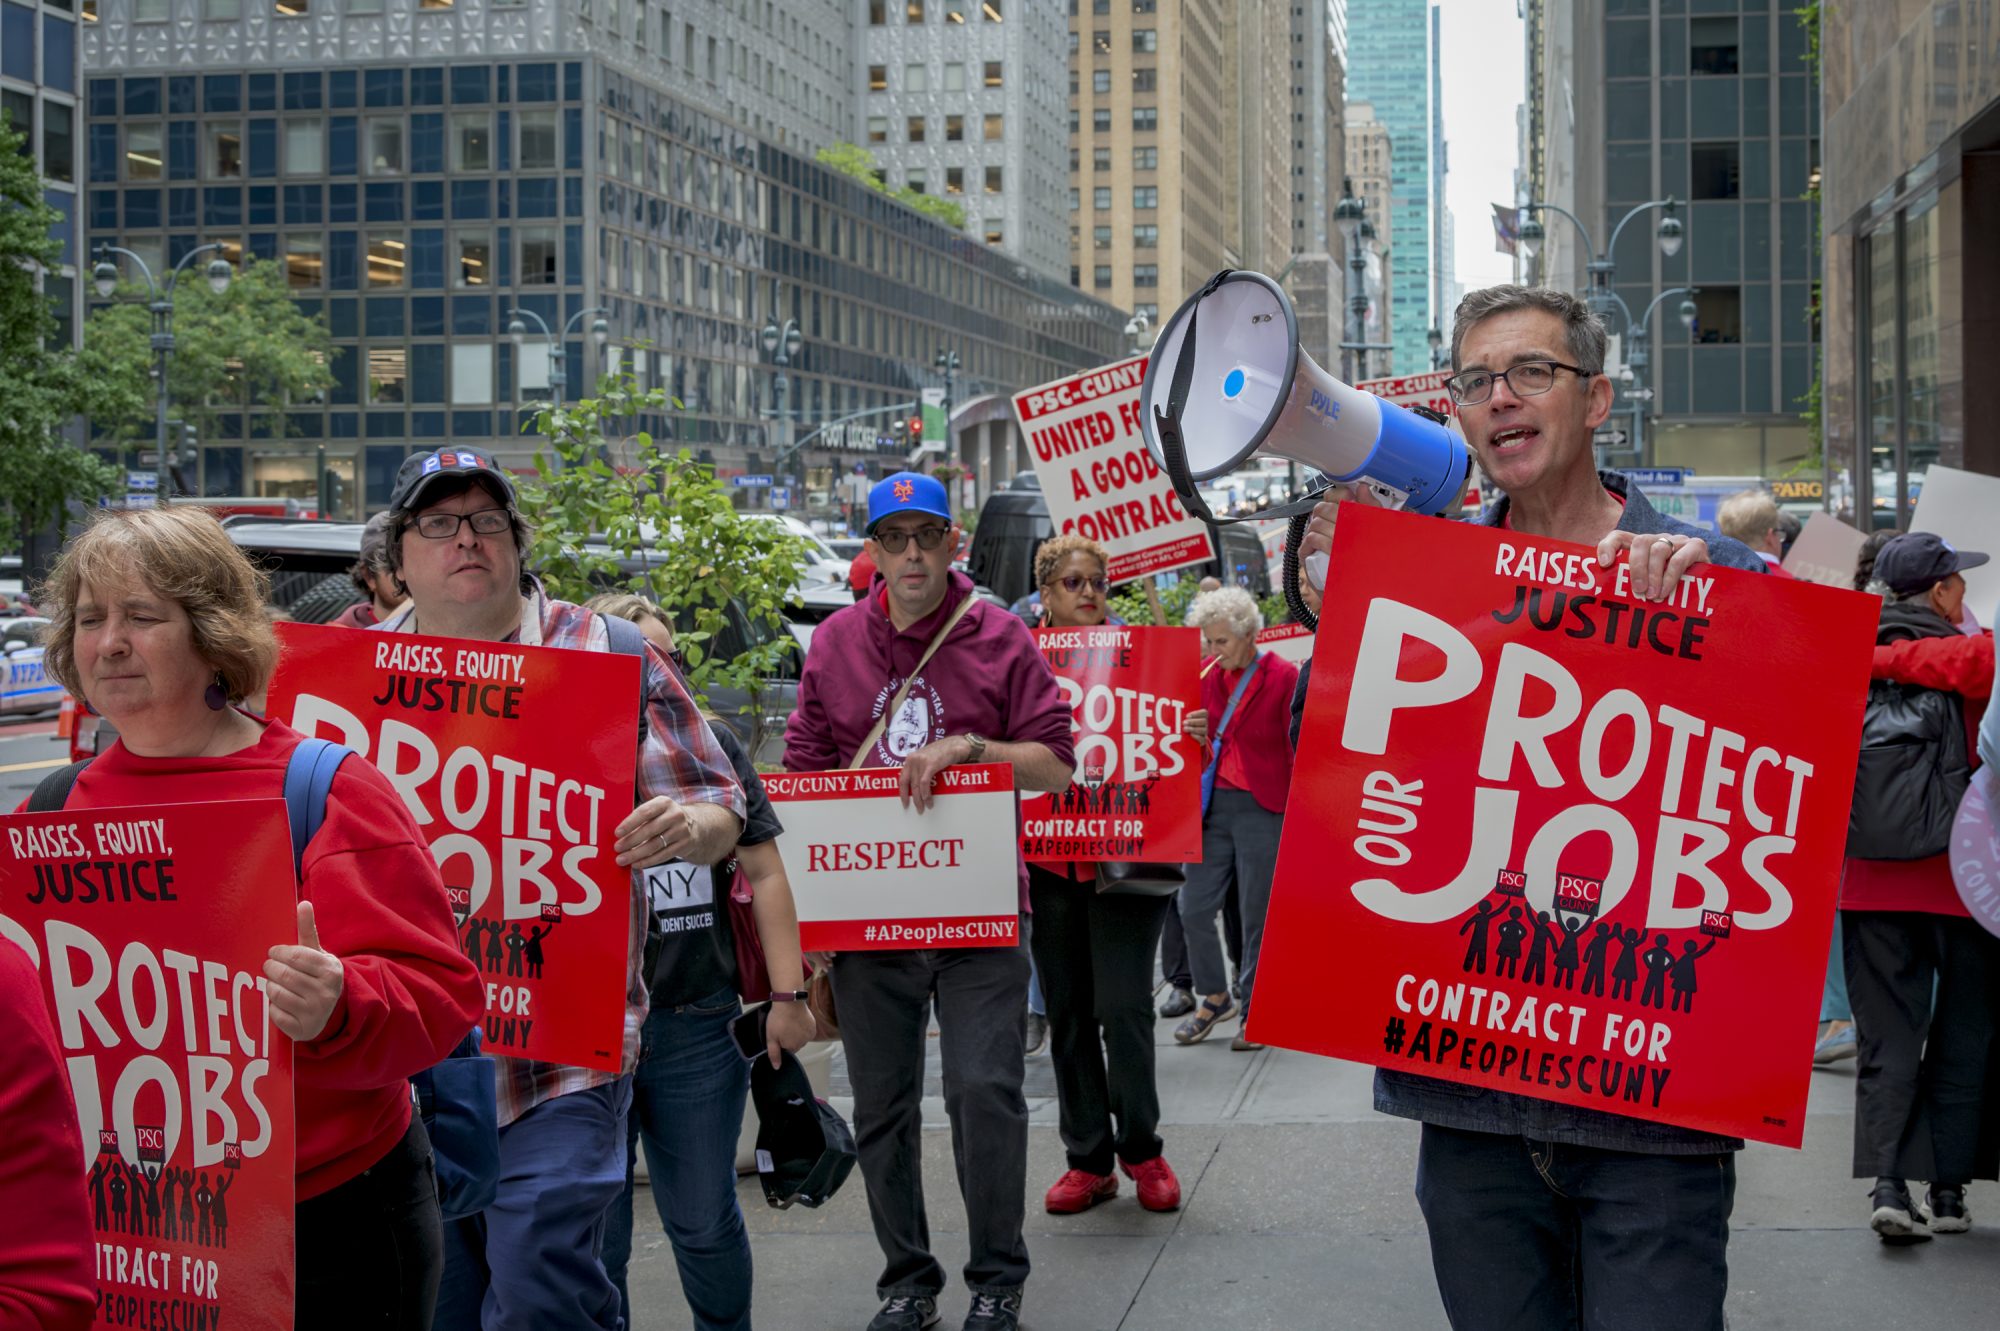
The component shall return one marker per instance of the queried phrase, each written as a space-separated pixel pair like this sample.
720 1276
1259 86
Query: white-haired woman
1246 698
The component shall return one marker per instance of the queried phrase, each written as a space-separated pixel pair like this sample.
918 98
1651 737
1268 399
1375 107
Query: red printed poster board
517 763
1548 840
1292 642
1137 792
150 927
867 873
1414 390
1098 477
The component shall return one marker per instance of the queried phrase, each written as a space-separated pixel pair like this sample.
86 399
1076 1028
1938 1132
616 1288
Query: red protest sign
869 873
1098 477
1489 709
150 927
1137 791
517 763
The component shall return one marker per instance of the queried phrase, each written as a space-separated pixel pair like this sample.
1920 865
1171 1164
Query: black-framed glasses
895 542
1531 378
1076 582
444 526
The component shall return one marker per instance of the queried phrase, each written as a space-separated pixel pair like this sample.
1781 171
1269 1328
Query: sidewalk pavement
1298 1213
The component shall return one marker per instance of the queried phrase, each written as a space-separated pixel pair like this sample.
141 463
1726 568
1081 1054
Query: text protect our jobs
1729 801
163 1039
548 827
1122 733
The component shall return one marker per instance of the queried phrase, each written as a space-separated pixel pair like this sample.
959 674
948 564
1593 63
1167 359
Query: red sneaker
1158 1189
1079 1191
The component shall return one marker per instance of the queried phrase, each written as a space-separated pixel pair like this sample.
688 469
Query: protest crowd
461 1165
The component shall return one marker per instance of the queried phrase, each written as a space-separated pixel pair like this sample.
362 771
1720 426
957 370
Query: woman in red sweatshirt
46 1245
159 624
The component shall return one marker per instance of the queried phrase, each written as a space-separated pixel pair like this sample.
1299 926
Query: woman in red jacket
1922 975
159 624
1246 698
46 1244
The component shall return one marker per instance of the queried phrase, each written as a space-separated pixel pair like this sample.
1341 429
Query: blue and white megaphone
1228 378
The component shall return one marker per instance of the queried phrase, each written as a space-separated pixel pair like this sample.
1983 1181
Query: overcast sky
1483 74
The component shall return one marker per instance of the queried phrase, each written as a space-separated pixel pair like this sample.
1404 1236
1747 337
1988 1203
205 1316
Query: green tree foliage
601 501
40 473
248 346
851 159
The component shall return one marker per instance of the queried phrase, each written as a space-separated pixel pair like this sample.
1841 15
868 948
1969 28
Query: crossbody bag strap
896 703
1242 685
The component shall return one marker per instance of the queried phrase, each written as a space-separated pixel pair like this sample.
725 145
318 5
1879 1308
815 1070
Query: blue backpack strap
308 778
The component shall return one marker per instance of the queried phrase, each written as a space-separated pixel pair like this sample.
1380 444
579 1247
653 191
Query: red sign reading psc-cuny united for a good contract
1548 839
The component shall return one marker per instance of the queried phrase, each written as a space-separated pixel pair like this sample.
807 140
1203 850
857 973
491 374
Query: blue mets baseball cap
907 492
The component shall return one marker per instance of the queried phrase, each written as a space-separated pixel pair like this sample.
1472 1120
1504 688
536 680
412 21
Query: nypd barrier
866 872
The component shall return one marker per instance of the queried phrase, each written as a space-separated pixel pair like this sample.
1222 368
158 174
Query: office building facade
1371 155
425 173
1151 150
1317 123
1911 191
1393 67
40 90
1715 109
965 99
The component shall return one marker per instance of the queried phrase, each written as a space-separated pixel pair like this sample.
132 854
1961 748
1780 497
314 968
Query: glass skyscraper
1392 66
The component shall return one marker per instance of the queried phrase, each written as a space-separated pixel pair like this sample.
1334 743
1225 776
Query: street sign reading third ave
1659 475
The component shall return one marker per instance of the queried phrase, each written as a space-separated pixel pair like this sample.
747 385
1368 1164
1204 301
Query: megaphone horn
1227 381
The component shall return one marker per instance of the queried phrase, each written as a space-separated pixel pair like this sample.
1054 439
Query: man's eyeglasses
1531 378
1075 583
895 542
444 526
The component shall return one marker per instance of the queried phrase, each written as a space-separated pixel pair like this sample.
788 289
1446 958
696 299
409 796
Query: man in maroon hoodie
988 696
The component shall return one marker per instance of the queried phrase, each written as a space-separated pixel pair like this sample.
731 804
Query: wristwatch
790 996
978 743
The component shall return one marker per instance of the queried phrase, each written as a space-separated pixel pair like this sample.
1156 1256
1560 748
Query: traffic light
916 427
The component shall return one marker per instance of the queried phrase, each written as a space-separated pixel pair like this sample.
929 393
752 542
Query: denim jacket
1474 1109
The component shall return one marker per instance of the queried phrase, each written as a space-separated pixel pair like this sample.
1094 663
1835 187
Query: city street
28 749
1299 1213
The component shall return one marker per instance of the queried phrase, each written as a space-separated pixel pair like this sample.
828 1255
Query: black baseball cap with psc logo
422 472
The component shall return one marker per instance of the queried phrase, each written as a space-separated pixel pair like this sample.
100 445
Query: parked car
25 686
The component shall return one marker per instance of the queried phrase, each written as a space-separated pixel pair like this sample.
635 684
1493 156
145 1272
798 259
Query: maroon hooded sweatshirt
988 678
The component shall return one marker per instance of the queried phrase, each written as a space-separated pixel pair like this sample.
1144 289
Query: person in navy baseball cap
906 492
422 472
1921 563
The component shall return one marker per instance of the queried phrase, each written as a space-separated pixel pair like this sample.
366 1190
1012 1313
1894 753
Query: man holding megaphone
1541 1214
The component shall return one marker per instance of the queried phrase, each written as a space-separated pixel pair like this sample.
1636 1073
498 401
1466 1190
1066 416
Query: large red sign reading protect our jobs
1137 791
517 763
1547 839
150 927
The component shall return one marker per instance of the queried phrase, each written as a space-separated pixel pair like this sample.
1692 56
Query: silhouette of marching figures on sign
97 1179
1625 973
1683 973
1566 955
1658 962
533 949
1536 971
494 953
1512 931
169 1180
204 1200
1477 924
473 929
223 1183
1595 956
517 943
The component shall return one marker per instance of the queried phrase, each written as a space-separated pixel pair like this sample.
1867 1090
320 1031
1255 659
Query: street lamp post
1638 357
600 333
783 345
161 303
1436 338
1350 214
1600 268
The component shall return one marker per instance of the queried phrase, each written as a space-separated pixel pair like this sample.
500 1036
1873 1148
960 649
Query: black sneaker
906 1312
1038 1034
1945 1210
994 1312
1895 1218
1179 1003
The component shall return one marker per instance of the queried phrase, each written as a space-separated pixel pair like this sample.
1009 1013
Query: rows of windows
1145 120
950 11
223 11
1104 6
917 77
1144 198
382 147
338 89
1145 41
917 129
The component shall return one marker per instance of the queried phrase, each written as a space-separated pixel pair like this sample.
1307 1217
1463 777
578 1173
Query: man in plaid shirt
531 1260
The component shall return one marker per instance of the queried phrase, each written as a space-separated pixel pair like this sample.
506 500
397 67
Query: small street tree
41 473
248 346
602 501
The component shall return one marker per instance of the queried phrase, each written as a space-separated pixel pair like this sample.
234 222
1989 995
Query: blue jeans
687 1107
1536 1236
1833 1004
532 1259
